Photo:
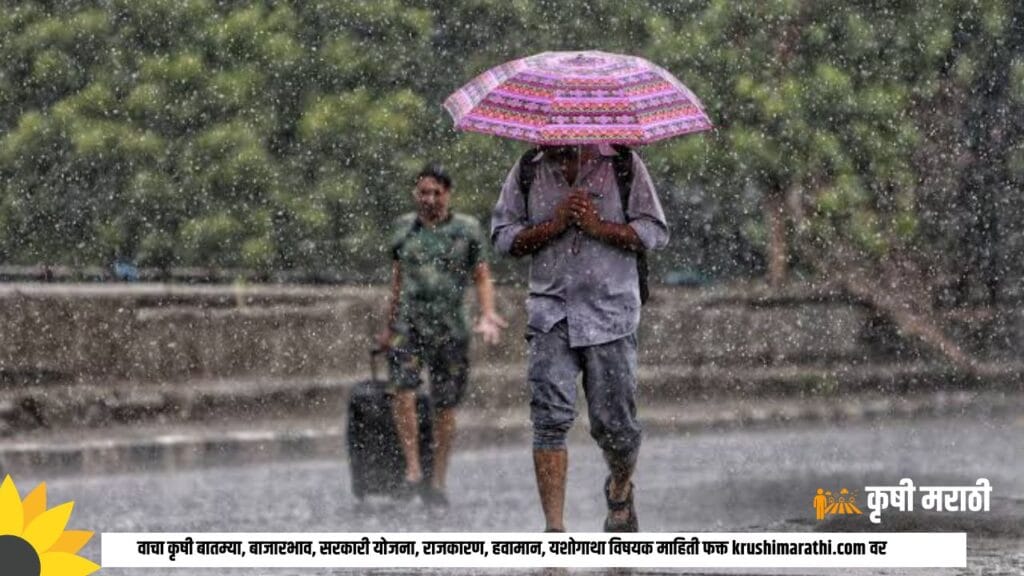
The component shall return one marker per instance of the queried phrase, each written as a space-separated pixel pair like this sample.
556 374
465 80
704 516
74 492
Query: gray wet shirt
596 289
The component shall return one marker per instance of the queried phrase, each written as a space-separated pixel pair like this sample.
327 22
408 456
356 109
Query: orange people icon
819 505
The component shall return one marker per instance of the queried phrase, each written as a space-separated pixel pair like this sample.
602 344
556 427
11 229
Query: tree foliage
282 135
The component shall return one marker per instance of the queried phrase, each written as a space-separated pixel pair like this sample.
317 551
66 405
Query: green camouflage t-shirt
436 265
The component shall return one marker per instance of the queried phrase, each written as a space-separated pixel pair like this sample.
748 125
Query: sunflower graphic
33 541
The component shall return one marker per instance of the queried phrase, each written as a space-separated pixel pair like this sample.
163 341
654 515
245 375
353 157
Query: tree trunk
778 250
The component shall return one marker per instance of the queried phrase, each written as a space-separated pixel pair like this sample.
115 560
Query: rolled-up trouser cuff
542 441
620 447
550 435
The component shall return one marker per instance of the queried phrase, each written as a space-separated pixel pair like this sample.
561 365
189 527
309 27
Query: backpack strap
623 163
527 171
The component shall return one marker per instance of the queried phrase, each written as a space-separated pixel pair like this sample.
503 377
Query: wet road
730 480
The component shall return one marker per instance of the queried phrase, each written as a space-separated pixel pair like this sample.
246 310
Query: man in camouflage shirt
435 252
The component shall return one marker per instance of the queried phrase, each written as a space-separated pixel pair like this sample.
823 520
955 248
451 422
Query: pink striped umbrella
562 98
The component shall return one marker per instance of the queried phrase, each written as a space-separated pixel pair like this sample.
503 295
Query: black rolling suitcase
375 455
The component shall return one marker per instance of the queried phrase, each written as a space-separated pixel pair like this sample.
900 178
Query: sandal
630 524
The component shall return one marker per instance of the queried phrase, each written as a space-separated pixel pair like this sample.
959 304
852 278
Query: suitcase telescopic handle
374 353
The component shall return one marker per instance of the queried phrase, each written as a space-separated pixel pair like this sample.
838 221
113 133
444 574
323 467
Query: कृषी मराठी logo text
34 541
901 497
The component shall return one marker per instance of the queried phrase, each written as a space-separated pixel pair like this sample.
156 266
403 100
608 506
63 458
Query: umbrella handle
579 164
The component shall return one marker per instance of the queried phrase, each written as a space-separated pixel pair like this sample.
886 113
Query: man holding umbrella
584 308
586 212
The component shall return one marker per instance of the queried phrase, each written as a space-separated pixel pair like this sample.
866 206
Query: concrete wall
159 333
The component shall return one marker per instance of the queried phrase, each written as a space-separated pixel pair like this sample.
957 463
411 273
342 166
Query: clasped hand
578 210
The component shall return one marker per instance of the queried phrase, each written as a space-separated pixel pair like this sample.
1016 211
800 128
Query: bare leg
444 434
404 411
550 467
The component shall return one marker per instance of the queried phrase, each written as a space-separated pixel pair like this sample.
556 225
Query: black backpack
623 164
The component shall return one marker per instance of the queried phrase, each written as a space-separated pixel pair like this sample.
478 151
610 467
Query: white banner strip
533 550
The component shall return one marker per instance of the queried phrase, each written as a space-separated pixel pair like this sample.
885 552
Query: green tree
284 135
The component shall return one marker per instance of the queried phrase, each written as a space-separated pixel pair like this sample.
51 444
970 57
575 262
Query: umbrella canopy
564 98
